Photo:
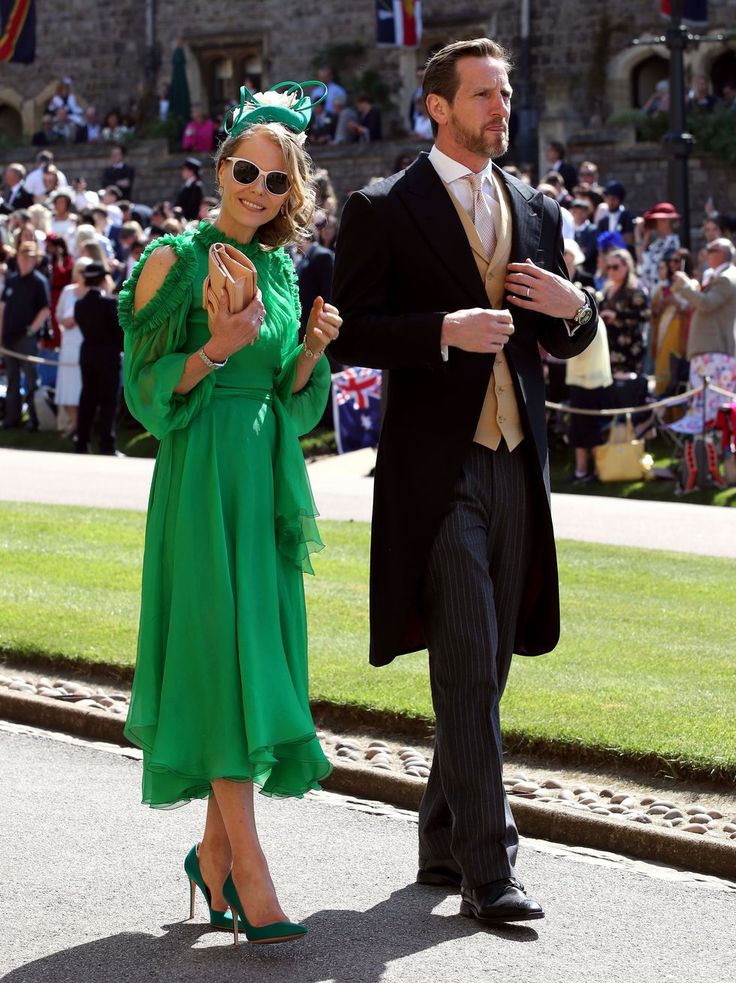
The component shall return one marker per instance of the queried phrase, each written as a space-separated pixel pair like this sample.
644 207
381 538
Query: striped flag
693 11
18 30
399 23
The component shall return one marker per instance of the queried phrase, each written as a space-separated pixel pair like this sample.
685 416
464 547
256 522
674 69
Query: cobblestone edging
695 837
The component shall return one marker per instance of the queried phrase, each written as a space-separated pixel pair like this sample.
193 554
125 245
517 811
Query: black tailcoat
404 261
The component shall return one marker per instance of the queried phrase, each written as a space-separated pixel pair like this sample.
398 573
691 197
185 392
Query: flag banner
18 30
693 11
356 408
399 23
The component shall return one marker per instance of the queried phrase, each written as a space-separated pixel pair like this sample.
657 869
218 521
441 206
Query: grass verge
644 670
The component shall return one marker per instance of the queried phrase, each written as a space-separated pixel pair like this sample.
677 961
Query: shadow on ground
343 946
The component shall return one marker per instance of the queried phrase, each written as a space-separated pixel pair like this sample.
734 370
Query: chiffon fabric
220 687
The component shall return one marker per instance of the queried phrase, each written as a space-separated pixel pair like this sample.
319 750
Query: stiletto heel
218 919
258 934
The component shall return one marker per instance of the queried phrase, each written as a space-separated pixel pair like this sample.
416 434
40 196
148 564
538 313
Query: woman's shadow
343 945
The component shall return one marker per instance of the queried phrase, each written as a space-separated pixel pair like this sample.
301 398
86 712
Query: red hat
663 210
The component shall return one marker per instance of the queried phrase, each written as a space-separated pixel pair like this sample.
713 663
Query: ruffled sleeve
154 363
307 406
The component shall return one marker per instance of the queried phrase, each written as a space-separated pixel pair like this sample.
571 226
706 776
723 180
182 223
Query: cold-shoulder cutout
152 275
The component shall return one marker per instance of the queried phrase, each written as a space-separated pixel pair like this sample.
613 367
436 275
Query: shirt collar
450 169
721 269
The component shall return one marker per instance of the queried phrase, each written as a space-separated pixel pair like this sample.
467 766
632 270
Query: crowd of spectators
667 317
649 287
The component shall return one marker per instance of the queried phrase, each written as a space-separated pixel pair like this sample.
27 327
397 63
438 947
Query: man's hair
17 169
44 156
121 147
440 75
559 148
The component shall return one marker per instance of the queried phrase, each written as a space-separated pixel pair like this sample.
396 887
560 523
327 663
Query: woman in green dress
220 699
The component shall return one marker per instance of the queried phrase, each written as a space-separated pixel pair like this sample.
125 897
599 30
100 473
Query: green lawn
645 667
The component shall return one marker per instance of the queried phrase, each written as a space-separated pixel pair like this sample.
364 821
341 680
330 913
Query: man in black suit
17 196
556 162
192 192
463 561
97 316
119 172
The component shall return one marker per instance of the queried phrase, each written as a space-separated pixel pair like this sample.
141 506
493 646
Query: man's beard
484 143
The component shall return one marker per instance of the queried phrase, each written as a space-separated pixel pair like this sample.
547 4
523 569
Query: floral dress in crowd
626 333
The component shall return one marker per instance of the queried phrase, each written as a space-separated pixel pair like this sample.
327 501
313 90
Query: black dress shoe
439 877
500 901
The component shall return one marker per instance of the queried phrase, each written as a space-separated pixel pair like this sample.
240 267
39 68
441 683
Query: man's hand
477 330
535 289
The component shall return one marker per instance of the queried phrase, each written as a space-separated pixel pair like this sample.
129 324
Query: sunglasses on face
246 172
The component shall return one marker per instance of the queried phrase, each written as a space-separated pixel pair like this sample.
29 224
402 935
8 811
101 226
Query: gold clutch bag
231 269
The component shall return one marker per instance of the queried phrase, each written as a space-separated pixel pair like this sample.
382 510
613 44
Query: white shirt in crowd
34 181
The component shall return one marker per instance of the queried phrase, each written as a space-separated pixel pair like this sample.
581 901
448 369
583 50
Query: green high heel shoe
261 934
218 919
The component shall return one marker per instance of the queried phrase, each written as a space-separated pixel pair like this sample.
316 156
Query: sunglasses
246 172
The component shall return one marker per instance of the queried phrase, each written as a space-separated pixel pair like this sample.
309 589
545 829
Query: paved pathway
343 491
93 892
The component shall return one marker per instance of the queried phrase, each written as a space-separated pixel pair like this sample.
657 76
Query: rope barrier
37 359
561 407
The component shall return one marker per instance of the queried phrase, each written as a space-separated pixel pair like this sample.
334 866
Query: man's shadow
343 945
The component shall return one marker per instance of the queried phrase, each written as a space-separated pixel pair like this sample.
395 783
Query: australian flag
356 407
18 30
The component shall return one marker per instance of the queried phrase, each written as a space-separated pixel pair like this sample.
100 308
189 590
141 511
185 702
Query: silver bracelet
210 363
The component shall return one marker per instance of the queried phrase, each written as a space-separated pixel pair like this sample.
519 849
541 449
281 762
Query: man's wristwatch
210 363
583 314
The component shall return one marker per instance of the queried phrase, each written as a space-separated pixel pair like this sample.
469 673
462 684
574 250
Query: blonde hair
294 217
93 249
85 233
40 216
625 256
80 265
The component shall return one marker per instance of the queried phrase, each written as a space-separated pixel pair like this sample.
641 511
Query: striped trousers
472 594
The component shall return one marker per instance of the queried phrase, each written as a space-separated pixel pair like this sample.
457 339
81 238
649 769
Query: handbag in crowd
231 269
625 460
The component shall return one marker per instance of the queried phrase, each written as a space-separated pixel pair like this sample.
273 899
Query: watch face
584 316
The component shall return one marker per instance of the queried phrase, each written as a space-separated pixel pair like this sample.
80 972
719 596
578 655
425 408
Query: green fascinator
285 103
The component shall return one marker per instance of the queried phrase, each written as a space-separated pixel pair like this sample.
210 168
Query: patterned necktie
482 214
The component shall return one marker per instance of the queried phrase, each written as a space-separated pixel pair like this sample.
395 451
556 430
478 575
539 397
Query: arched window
11 126
644 78
723 70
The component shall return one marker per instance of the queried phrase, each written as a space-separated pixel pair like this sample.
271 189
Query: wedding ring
528 292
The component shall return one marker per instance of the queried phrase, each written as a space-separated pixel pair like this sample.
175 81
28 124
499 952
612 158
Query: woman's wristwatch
210 363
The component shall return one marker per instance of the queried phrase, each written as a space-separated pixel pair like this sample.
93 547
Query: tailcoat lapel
526 208
429 205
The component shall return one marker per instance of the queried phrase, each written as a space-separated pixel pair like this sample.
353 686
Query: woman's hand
323 326
231 332
608 316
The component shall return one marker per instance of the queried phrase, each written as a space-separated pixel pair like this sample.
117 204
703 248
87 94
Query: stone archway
622 71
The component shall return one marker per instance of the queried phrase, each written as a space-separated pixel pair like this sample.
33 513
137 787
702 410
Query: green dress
220 687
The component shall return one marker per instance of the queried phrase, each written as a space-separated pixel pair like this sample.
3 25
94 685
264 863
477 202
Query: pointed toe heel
258 934
218 919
